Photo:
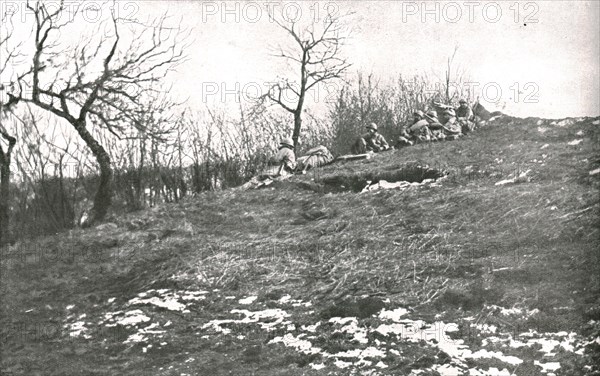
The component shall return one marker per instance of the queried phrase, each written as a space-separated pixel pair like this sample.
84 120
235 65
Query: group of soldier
425 127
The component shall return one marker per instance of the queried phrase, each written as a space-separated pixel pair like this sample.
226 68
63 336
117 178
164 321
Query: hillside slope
492 269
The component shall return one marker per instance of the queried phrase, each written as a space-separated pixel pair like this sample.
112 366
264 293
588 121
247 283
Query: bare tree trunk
297 127
4 201
103 197
5 159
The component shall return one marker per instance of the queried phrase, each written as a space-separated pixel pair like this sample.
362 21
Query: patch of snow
521 178
136 338
475 372
248 300
485 328
78 329
384 184
317 366
110 300
447 370
580 133
342 321
565 122
168 299
194 295
393 315
350 326
255 316
166 302
69 307
341 364
496 372
276 316
369 352
364 363
310 328
575 142
551 366
130 318
596 122
547 344
595 172
544 146
496 354
297 343
542 130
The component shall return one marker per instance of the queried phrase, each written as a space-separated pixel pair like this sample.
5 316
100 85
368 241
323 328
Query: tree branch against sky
99 78
314 51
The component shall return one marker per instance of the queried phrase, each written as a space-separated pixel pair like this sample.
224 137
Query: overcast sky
534 58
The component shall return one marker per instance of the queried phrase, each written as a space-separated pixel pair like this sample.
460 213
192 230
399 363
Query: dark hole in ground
356 182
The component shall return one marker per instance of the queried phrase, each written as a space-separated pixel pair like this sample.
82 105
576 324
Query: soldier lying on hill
416 132
315 157
435 126
371 141
281 166
285 157
452 129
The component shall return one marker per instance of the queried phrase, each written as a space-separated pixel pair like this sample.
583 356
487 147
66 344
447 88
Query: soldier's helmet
432 114
419 113
372 126
449 112
462 101
287 141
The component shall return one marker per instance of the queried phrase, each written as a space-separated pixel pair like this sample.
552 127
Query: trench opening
353 182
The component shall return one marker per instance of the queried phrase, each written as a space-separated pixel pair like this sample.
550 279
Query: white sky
555 55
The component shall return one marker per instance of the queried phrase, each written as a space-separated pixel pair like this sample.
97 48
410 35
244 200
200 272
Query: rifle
444 106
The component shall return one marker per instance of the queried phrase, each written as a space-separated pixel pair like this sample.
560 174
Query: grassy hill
309 276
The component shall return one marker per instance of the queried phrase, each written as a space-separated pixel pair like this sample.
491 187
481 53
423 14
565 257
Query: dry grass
450 250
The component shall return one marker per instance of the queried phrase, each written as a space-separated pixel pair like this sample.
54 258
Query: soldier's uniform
315 157
285 156
416 132
465 117
371 141
452 128
436 128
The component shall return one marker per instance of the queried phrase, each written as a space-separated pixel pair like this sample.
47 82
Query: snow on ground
364 345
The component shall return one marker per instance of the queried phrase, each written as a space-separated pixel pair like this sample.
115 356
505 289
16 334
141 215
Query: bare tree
100 81
317 54
7 53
